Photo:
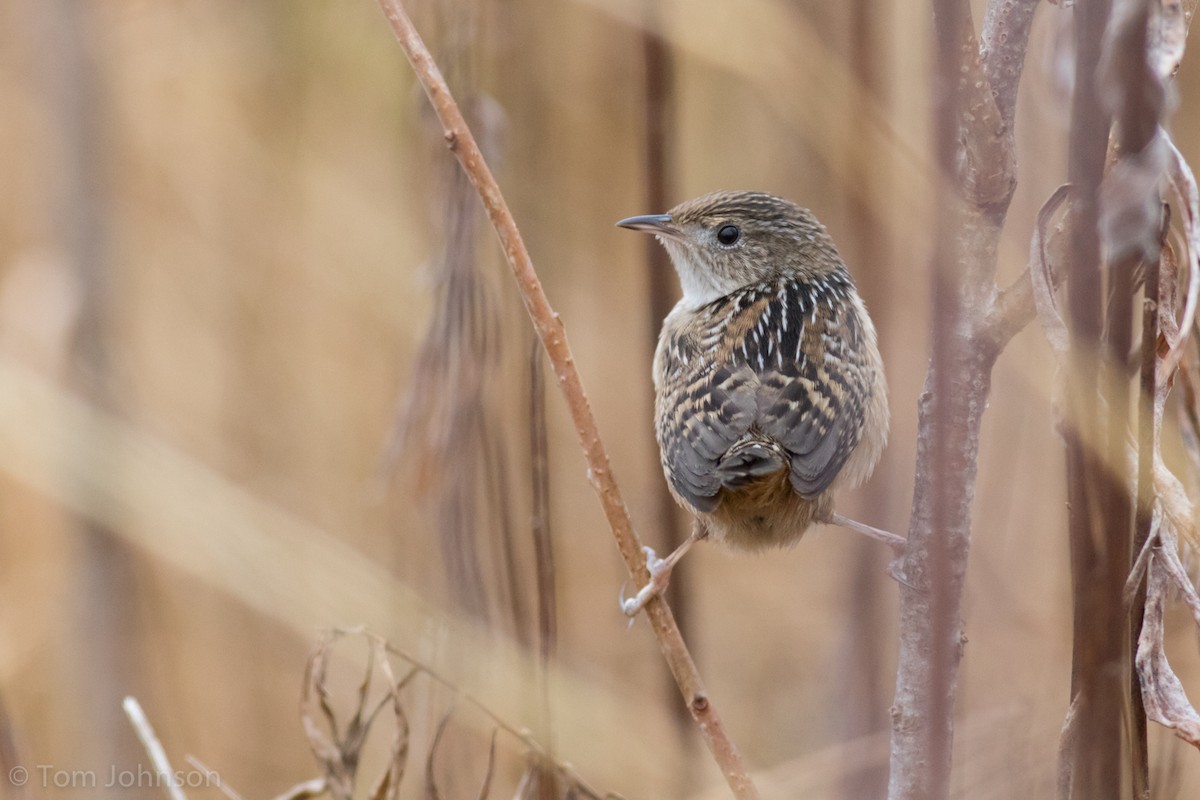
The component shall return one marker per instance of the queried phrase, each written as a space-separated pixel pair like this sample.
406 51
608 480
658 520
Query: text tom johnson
50 775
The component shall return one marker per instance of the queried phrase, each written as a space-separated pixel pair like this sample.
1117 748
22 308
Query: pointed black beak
659 224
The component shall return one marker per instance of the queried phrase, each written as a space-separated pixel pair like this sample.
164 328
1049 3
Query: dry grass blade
540 781
338 751
388 784
543 540
486 788
1041 273
154 748
302 791
449 437
431 790
446 431
565 774
213 778
340 755
356 728
323 746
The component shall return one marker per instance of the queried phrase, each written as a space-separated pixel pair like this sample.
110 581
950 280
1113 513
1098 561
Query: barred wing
813 399
699 420
781 362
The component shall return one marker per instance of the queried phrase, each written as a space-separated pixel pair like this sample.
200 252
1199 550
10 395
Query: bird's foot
897 543
895 569
660 575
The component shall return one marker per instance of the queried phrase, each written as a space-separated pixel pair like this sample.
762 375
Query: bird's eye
728 234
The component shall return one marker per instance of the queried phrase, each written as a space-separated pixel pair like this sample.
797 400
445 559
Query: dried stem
973 322
554 338
1143 520
658 81
543 544
154 748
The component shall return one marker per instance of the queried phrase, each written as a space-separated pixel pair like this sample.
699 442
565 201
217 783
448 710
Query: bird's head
723 241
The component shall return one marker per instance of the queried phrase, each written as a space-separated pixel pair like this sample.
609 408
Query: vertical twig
973 321
1132 229
1143 517
950 20
659 79
105 586
554 338
543 542
1096 756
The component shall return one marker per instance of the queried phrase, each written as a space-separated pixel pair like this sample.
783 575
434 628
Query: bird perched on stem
769 387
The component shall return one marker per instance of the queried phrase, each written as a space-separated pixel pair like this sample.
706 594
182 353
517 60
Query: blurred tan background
219 238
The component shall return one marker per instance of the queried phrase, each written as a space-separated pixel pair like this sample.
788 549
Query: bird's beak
658 224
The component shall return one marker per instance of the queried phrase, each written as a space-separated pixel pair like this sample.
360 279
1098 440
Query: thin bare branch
554 338
973 132
1002 46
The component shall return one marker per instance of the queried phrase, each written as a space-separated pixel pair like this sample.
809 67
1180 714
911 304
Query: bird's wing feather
813 399
779 362
699 420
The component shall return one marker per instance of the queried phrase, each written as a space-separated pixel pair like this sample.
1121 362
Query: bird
770 393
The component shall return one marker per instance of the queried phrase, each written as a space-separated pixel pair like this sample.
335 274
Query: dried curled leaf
1041 273
1162 693
486 789
1166 34
431 788
338 749
1172 516
1183 182
1130 208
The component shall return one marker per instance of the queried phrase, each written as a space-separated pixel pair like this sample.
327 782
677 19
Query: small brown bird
770 392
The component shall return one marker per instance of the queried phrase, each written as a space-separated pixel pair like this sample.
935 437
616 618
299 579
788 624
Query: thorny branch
554 338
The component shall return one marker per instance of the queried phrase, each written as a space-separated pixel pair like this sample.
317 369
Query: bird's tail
749 460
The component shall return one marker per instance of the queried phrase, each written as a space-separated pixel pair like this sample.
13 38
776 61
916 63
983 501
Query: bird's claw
895 570
660 574
654 564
